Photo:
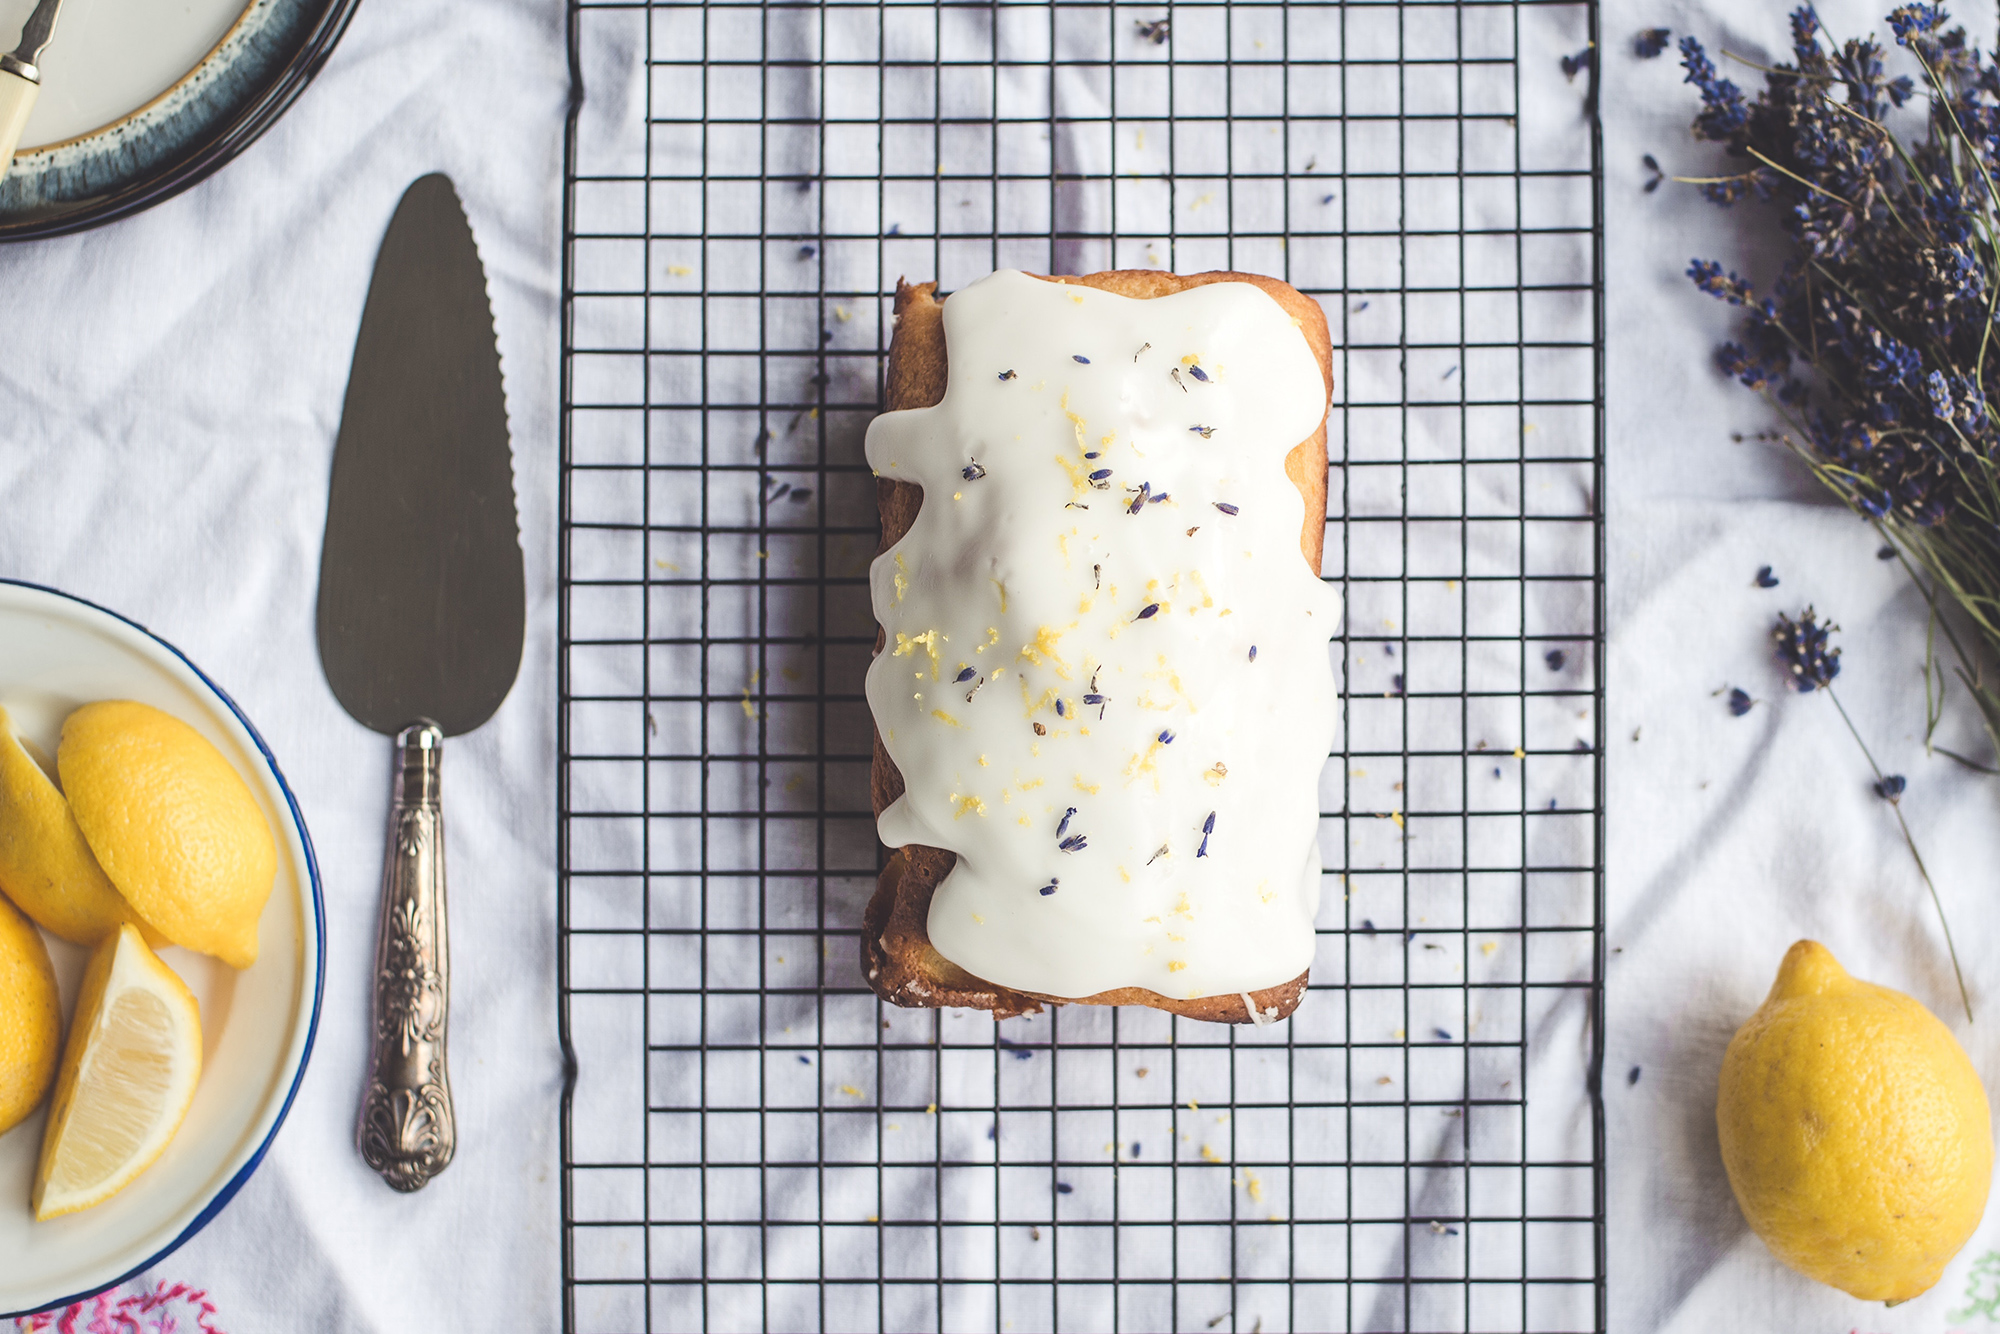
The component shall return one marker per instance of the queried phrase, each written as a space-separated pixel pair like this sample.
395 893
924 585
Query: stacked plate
141 99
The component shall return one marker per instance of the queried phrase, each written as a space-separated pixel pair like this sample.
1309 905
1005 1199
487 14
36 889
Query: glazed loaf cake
1101 692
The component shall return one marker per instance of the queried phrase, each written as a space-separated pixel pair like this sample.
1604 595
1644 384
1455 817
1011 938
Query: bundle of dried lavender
1876 341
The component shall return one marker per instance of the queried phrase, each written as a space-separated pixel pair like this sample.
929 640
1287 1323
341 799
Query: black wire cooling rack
753 1141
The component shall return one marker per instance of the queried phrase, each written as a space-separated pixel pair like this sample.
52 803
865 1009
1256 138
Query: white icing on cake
1174 659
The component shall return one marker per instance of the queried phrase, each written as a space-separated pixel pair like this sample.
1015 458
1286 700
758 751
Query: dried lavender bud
1804 649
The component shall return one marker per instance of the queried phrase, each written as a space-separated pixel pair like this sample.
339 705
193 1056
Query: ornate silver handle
407 1132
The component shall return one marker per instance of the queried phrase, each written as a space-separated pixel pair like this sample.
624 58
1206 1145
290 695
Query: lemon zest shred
928 641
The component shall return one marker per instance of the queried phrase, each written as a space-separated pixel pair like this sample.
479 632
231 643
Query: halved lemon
173 825
128 1076
45 866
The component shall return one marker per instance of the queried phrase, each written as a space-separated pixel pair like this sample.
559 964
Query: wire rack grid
753 1141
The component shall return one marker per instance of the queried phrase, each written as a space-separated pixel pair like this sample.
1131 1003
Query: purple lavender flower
1939 393
1804 649
1916 26
1708 276
1723 110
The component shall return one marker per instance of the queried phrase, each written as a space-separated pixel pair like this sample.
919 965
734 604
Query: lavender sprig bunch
1876 341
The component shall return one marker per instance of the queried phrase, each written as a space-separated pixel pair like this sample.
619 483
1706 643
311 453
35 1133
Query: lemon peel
30 1021
1855 1131
173 825
128 1077
46 867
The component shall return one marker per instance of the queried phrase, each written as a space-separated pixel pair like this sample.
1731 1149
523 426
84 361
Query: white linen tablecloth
1729 838
173 385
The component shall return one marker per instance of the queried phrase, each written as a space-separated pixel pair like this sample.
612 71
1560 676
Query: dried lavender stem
1964 996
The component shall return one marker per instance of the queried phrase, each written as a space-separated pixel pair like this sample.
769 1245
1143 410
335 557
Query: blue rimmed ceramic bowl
58 652
140 100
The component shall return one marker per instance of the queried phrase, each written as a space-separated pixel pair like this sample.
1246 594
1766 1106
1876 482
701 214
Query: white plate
57 652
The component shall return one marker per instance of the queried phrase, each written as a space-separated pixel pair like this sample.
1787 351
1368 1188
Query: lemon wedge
173 825
30 1020
128 1076
45 866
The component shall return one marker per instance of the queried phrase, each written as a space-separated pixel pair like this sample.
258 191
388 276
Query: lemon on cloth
172 824
128 1075
30 1017
1854 1130
45 865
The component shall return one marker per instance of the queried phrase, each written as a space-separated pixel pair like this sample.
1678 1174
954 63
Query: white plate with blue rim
57 653
142 98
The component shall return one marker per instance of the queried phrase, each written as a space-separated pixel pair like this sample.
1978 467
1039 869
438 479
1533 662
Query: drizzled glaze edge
897 957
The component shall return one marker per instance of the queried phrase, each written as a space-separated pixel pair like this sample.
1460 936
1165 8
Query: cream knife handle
17 99
407 1131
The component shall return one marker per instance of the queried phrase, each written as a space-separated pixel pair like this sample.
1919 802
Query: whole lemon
1854 1130
30 1018
172 823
